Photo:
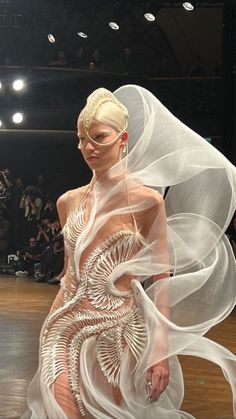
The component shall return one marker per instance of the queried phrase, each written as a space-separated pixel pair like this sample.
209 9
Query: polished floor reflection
23 307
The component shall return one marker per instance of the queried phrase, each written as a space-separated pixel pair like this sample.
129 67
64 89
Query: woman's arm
62 209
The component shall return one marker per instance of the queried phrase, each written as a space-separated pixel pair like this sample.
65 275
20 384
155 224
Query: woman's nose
89 146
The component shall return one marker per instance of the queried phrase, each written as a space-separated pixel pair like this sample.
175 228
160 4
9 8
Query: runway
23 306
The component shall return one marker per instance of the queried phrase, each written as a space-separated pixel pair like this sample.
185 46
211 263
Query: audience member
28 257
52 258
16 214
4 237
45 235
80 60
49 211
60 60
196 69
31 203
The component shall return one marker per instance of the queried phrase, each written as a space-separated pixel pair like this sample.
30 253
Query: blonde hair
103 106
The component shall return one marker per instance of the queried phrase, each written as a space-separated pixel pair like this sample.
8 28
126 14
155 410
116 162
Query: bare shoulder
151 195
69 199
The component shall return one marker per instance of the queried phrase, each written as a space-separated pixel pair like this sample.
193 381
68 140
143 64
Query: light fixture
82 35
150 17
0 85
0 123
17 118
51 38
18 85
188 6
114 26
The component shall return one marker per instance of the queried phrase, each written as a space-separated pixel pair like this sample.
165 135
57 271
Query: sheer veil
200 185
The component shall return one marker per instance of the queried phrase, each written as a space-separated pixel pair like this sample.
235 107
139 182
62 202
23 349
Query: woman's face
100 157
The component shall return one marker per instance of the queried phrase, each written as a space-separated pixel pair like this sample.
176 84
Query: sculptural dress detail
83 309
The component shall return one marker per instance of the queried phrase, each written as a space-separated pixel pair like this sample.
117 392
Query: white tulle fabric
201 291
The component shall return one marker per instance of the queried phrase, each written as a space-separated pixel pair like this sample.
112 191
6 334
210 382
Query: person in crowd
128 61
4 237
49 211
196 69
5 184
96 58
80 58
31 203
60 60
45 235
16 214
28 257
52 257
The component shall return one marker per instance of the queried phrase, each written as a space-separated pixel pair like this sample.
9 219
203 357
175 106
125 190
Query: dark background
45 142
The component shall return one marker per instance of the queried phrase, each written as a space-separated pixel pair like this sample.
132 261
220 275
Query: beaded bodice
99 265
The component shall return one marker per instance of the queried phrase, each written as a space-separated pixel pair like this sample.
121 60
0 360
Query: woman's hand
157 379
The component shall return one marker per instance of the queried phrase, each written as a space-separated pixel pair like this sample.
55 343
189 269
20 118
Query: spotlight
18 85
82 35
51 38
188 6
150 17
0 123
0 85
114 26
17 118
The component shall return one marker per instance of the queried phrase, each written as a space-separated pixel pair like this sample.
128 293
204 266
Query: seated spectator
97 59
16 214
28 257
49 211
8 177
31 203
52 260
128 61
45 235
196 69
92 66
60 60
4 186
4 237
79 60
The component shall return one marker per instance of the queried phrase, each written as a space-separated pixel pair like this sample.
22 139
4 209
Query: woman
108 348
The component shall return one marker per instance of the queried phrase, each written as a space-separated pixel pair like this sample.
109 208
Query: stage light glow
51 38
82 35
0 123
17 118
188 6
150 17
0 85
114 26
18 85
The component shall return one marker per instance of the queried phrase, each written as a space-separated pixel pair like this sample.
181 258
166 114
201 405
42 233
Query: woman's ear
124 137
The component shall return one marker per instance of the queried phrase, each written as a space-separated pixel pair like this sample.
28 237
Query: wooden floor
23 307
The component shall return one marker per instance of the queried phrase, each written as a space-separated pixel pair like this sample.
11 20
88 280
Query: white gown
98 337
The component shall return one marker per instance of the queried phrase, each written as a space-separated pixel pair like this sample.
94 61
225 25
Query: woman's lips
91 158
